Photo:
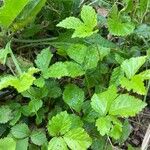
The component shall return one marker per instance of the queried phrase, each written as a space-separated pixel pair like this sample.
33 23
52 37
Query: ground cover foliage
72 73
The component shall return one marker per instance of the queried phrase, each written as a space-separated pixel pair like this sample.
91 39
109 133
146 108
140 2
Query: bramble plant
77 88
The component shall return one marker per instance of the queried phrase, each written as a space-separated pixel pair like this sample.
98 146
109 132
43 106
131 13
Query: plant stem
15 62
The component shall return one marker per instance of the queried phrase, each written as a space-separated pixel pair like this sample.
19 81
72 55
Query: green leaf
89 114
77 52
132 65
92 58
74 69
73 96
57 143
40 82
8 13
54 90
143 30
29 13
126 130
125 106
103 125
16 117
116 24
84 27
21 83
5 114
135 83
43 59
20 131
38 137
7 144
77 139
116 132
62 69
103 51
116 76
35 105
4 53
76 121
57 70
59 124
145 75
102 102
22 144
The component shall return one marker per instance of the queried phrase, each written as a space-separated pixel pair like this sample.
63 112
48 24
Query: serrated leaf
5 114
117 26
21 83
126 105
8 13
126 130
70 23
103 51
57 70
116 132
89 114
116 76
145 75
16 117
143 30
22 144
102 102
57 143
77 139
43 59
89 16
62 69
82 28
73 96
76 121
35 105
135 83
103 125
59 124
74 69
38 137
54 90
132 65
7 143
39 82
77 52
29 13
20 131
92 58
